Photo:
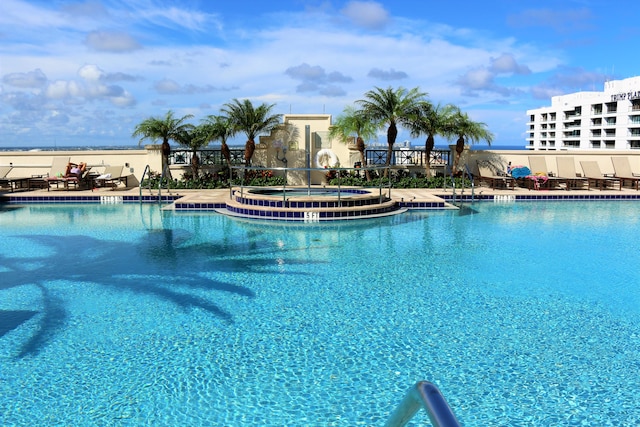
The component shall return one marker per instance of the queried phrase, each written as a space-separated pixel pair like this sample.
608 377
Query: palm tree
221 130
167 128
431 121
390 107
195 138
354 122
465 128
251 120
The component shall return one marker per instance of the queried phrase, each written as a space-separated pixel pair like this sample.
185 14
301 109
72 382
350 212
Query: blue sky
85 73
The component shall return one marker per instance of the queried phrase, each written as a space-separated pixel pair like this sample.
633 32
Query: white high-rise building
608 120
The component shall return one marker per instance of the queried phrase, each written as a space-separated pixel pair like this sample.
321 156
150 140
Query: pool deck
418 198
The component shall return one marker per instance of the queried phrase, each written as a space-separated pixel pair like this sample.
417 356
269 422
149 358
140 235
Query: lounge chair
486 174
111 177
13 183
567 171
623 171
56 175
544 178
598 179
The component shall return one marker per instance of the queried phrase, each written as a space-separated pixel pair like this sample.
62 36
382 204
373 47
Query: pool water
523 314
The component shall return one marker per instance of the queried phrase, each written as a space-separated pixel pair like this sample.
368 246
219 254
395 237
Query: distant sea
70 148
136 147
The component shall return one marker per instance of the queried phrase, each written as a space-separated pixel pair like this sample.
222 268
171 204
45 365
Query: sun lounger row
66 175
538 175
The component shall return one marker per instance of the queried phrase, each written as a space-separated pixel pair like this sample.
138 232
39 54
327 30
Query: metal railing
374 157
424 395
470 175
207 157
338 172
147 173
408 157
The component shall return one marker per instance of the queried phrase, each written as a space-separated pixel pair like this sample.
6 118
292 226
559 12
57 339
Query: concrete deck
415 195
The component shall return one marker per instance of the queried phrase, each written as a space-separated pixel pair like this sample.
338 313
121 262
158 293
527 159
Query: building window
595 144
596 122
634 119
596 109
596 132
634 145
571 144
612 107
635 105
609 144
610 133
610 121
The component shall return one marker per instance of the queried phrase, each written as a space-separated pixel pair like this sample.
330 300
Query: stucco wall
501 158
28 163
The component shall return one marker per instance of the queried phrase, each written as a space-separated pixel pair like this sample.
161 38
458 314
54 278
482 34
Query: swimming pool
522 314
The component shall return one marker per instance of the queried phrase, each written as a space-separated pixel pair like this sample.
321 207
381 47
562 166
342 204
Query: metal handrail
286 169
424 394
147 171
470 175
162 177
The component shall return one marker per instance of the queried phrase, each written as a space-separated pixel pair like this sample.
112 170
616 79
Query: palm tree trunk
226 153
428 148
459 151
166 152
195 165
392 134
363 159
249 148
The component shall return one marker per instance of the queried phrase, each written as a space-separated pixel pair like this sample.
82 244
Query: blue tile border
538 197
103 199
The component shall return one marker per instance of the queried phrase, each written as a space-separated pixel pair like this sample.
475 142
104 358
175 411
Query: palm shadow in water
160 264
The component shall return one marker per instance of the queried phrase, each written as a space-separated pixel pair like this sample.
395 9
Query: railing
207 157
338 171
424 395
470 175
408 157
372 156
147 173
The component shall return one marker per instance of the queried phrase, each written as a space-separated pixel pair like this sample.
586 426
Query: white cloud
91 73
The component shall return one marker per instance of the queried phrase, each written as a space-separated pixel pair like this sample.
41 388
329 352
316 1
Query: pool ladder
424 394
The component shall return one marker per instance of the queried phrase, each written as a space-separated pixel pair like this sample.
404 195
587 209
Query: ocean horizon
177 147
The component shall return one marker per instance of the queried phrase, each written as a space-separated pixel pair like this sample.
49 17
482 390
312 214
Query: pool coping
417 198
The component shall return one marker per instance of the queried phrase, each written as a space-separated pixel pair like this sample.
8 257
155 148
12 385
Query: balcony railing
408 157
207 157
212 157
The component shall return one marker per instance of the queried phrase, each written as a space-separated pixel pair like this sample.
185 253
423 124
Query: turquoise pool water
524 314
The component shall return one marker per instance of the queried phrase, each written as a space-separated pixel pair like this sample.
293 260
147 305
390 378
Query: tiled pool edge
443 202
101 199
